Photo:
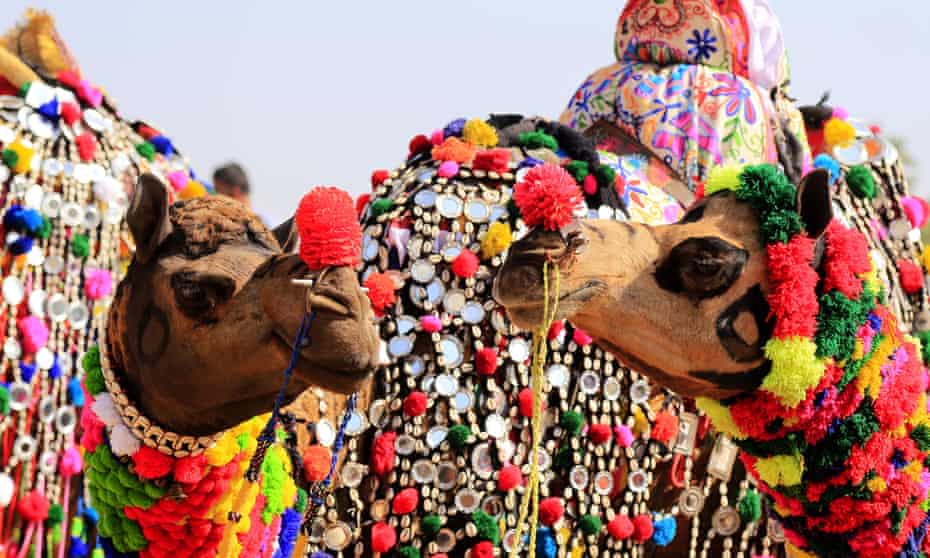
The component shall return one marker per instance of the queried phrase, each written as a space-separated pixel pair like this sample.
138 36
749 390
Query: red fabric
642 528
912 278
547 196
329 231
509 478
317 462
406 501
86 145
380 292
484 549
151 463
665 427
525 402
70 112
415 404
492 160
378 177
419 143
382 454
486 361
620 527
465 265
600 433
551 511
383 537
33 506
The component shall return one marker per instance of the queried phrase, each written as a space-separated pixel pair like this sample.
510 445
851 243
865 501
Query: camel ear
814 204
148 216
286 234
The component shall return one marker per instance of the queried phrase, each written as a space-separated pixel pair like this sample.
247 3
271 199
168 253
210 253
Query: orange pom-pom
317 462
547 196
380 292
665 428
454 149
329 230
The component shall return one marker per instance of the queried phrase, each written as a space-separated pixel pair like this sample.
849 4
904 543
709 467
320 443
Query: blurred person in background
230 180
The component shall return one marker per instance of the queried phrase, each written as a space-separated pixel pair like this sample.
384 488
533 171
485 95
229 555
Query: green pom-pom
301 504
97 553
458 435
606 176
56 533
537 140
564 458
780 226
861 182
572 421
487 526
10 158
431 524
147 150
242 440
924 337
24 89
80 245
4 401
409 552
578 169
93 377
381 206
750 507
55 514
921 436
766 188
77 527
45 229
590 524
838 321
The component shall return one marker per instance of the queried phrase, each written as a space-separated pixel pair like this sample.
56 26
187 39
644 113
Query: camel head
204 322
684 303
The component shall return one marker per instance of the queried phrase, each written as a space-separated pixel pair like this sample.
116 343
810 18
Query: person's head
230 180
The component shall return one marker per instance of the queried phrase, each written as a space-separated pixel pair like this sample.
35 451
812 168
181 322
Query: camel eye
702 267
197 296
707 265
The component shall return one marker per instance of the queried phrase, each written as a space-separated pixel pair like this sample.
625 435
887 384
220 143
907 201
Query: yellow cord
540 347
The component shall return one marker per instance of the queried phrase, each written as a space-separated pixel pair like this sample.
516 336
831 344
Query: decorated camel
210 312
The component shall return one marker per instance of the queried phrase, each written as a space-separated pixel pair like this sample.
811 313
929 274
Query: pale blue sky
314 92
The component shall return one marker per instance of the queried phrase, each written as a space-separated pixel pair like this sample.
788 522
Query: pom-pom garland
328 228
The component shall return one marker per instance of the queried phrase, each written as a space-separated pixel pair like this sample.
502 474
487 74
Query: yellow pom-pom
870 375
23 157
479 132
925 259
795 369
496 240
914 469
838 133
223 452
877 484
193 189
722 178
640 422
780 470
720 417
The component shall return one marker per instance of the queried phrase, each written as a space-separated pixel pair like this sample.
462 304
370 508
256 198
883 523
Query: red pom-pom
551 511
317 462
665 427
509 478
484 549
590 185
620 527
33 506
70 112
912 278
380 292
415 404
382 454
492 160
486 361
151 463
406 501
328 227
419 143
465 264
378 177
581 337
69 78
361 203
600 433
190 469
525 402
547 196
147 132
555 330
86 145
383 537
642 528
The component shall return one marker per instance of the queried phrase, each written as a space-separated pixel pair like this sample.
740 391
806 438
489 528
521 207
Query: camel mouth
330 301
343 379
526 308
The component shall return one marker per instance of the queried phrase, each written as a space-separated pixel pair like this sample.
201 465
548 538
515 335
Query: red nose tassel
329 231
547 197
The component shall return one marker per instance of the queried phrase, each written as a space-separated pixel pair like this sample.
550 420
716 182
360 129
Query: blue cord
267 434
340 437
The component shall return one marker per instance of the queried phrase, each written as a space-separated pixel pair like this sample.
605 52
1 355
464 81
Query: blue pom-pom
290 527
50 109
55 371
664 531
78 548
32 221
27 371
824 161
546 546
529 162
454 128
163 145
21 245
75 392
13 218
91 514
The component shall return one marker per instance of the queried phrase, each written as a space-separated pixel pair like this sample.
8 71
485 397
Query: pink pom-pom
581 337
437 137
590 185
430 323
178 180
71 462
465 265
624 435
329 230
840 113
555 330
97 283
448 169
547 196
916 209
34 333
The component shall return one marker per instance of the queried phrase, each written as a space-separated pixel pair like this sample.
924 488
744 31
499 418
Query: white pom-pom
122 441
106 410
6 489
109 190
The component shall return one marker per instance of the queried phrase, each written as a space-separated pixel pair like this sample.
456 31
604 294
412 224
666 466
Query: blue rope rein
340 437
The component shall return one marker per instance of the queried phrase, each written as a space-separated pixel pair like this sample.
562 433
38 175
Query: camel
770 313
198 333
